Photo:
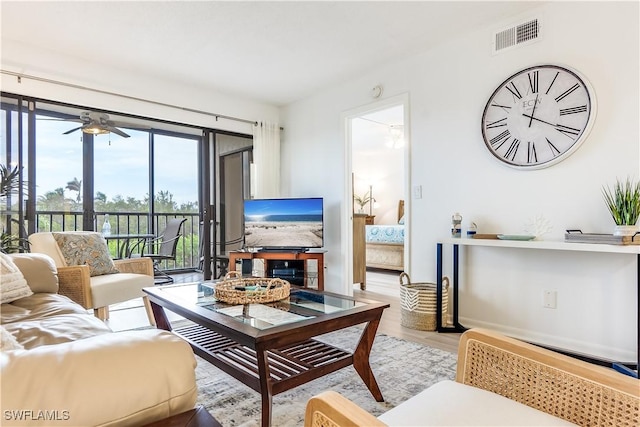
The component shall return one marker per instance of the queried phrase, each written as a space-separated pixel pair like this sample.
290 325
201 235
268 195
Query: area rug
402 369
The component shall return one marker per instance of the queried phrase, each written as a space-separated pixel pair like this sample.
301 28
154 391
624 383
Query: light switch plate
417 191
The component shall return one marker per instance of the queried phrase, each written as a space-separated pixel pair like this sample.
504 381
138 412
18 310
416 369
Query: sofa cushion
38 306
8 341
116 379
44 243
114 288
13 285
449 403
86 248
45 319
39 270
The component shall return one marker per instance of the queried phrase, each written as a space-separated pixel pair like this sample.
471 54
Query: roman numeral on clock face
533 81
552 82
513 149
497 123
554 149
564 94
514 90
532 156
506 108
574 110
568 131
500 139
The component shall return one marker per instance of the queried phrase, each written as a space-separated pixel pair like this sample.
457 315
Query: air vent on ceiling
516 35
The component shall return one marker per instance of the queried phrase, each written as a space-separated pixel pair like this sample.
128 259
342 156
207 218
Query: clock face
538 116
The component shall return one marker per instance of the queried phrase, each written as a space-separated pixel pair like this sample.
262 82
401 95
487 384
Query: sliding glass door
13 177
58 174
75 180
175 185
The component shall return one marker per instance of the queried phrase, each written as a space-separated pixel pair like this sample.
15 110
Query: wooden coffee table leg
161 318
361 358
265 386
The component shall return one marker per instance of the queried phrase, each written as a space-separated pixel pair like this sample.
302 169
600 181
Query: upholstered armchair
88 276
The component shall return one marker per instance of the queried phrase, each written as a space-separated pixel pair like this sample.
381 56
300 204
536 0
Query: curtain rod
21 76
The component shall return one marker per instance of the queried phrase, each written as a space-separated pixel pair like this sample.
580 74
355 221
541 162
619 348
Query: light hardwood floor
381 286
385 287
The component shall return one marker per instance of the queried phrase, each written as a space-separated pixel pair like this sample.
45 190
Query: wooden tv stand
309 276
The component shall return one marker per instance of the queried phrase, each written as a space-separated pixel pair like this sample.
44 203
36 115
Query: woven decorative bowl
235 289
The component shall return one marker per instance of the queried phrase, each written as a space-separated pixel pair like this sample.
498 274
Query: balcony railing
187 251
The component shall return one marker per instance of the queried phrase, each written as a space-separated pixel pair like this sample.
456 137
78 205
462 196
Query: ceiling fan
96 123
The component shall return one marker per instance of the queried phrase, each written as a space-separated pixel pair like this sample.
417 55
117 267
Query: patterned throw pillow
13 285
86 248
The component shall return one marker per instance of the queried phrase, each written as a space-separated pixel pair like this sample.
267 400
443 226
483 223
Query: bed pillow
13 285
86 248
401 220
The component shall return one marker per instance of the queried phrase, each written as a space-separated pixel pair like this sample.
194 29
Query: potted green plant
623 202
362 200
9 184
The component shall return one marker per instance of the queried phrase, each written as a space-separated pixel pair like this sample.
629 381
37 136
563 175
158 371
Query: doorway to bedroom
379 182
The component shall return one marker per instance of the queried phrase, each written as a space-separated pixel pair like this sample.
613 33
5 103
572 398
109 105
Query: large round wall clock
538 116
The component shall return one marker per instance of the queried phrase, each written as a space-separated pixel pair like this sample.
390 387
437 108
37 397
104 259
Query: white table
533 244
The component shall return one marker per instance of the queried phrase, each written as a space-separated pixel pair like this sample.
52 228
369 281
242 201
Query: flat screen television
283 224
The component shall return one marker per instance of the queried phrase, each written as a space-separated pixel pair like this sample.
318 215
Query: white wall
448 87
30 60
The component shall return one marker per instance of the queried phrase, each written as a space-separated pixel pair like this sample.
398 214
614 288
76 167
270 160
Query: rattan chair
573 390
164 248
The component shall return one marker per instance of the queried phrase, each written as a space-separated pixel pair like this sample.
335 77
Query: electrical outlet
549 299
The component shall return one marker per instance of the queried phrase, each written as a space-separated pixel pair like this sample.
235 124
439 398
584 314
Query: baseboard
580 347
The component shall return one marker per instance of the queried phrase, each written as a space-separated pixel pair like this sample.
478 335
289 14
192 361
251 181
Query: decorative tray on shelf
235 289
522 237
577 236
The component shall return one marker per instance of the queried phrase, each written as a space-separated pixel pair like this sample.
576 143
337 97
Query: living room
444 87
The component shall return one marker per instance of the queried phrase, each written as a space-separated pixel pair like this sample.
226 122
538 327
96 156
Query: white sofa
501 382
62 366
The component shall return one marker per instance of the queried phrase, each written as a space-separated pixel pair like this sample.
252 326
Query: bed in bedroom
385 244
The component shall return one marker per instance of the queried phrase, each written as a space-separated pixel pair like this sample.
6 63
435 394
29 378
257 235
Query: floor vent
518 35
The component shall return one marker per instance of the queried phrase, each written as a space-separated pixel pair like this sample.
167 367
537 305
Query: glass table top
300 305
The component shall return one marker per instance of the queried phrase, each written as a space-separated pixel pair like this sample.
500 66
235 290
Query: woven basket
418 303
267 289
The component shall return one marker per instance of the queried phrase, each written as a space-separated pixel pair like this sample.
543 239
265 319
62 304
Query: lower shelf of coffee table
289 366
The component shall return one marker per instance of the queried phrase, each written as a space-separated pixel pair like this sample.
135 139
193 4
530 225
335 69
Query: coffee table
269 347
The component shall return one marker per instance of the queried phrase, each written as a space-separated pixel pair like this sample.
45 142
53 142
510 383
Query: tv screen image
283 223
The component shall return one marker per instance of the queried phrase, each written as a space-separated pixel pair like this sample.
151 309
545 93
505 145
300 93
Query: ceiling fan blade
59 120
116 131
72 130
129 125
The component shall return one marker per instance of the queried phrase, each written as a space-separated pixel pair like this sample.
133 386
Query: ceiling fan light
95 130
396 136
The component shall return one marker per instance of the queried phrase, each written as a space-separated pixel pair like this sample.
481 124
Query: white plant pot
625 230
